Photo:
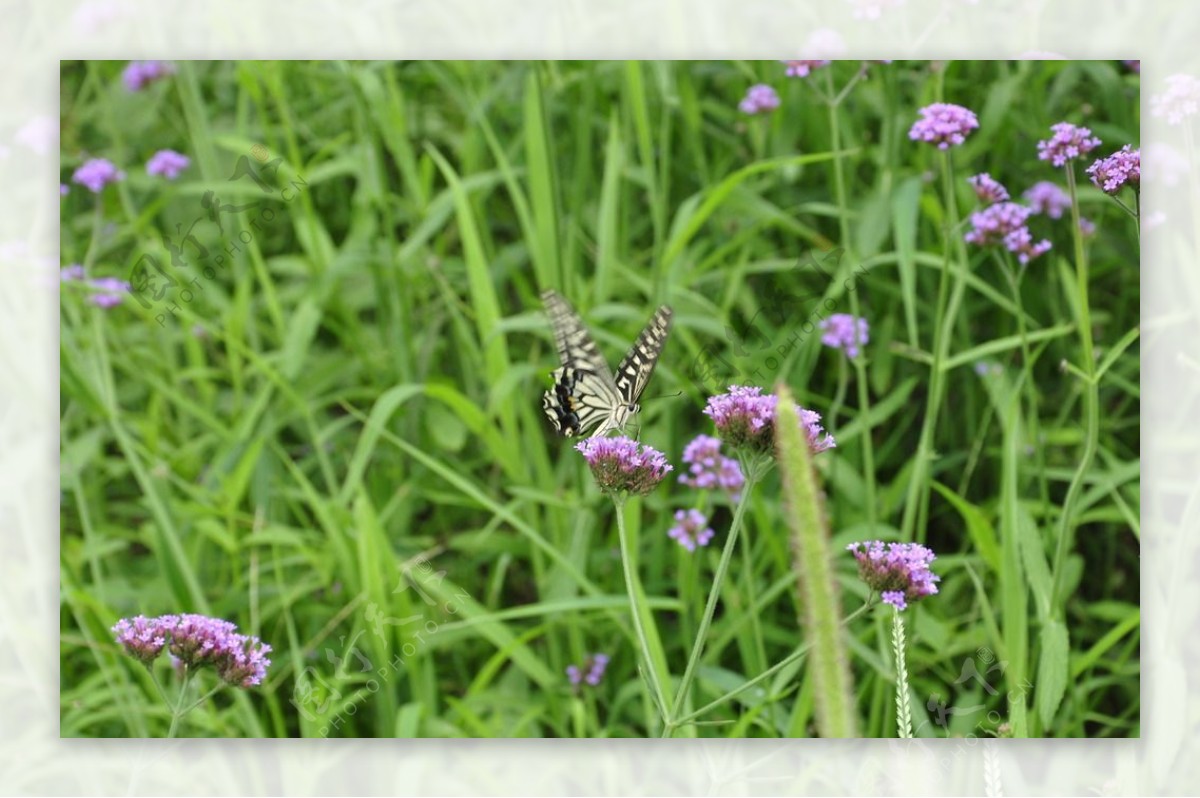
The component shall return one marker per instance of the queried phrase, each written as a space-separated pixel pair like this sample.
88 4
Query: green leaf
1052 670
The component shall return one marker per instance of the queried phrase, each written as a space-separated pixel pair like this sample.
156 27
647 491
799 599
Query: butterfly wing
584 393
638 364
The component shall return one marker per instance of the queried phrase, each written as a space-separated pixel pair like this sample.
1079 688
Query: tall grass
341 431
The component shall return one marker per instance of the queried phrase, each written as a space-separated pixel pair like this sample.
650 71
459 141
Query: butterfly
585 394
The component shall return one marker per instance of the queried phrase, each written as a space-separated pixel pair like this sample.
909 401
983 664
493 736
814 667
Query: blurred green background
337 441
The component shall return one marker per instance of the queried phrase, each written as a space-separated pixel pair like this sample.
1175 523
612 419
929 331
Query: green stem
1091 404
860 368
795 656
752 471
637 606
176 712
903 712
916 503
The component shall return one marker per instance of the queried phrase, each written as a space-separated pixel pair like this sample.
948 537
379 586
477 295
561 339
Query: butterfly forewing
638 365
585 395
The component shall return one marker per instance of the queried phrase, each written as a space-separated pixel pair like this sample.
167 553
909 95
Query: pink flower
943 124
1068 142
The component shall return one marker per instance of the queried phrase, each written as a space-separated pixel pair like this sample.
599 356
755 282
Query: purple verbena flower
802 69
1086 227
1179 101
97 173
1048 198
110 291
745 417
987 189
1068 142
709 469
71 273
63 189
198 641
591 673
943 124
691 529
139 74
141 637
1005 224
1123 167
1133 66
759 97
167 163
845 332
621 464
899 572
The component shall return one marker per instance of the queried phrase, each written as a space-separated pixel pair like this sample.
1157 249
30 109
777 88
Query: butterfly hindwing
584 394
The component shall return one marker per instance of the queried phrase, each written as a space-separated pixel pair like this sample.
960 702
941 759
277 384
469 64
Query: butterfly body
585 394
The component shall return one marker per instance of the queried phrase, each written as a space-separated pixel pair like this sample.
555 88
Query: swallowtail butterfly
585 394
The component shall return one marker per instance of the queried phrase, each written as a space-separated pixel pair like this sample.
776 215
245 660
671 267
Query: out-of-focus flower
709 469
1180 100
899 572
943 124
591 673
691 529
93 15
1133 66
140 74
845 332
822 41
799 69
1086 227
1046 197
167 163
71 273
872 10
621 464
1005 224
110 291
97 173
1122 168
1067 142
1166 165
745 417
759 98
986 368
39 134
988 189
63 189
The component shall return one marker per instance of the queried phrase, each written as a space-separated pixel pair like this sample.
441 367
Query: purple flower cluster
96 173
1005 223
621 464
802 69
167 163
1068 142
1048 198
845 332
987 189
899 572
591 673
140 74
710 469
109 290
759 97
1179 101
691 529
745 417
197 641
1122 168
943 124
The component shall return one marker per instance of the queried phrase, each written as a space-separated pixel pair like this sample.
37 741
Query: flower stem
903 712
916 503
1091 403
860 369
176 711
640 611
752 472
